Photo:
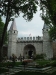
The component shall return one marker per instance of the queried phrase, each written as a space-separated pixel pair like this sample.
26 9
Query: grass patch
6 64
3 70
43 62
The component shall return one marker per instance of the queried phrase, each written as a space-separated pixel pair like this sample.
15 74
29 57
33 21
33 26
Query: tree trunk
3 35
4 30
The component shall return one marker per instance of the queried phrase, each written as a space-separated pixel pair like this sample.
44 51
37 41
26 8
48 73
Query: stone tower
47 44
12 39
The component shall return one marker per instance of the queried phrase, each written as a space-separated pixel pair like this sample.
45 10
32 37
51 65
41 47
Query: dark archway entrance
29 51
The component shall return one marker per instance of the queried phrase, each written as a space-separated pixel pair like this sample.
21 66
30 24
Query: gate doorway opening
29 51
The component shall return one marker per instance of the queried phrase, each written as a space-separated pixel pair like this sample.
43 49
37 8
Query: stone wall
38 38
38 45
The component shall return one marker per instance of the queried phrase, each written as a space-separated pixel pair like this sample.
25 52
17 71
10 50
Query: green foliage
52 33
45 63
6 64
40 56
48 8
1 31
1 28
15 7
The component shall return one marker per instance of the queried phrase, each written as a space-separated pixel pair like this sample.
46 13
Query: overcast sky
32 28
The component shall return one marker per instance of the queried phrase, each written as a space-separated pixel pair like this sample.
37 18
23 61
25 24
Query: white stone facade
26 46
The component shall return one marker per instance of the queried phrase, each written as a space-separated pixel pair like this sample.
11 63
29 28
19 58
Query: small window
46 29
14 31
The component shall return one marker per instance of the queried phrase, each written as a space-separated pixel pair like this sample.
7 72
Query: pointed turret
13 26
45 32
45 27
47 44
12 39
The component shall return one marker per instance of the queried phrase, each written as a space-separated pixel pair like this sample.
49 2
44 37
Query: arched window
14 31
46 29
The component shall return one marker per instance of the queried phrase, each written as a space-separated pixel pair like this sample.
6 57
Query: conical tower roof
45 26
13 26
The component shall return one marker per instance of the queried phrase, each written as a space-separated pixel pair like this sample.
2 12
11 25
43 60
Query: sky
32 28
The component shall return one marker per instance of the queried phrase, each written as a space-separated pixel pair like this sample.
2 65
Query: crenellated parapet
38 38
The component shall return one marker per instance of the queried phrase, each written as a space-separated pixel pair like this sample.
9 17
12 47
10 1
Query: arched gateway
29 51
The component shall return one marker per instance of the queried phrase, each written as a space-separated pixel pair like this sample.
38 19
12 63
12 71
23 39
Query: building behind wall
29 46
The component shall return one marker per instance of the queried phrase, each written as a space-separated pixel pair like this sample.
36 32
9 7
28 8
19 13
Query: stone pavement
29 68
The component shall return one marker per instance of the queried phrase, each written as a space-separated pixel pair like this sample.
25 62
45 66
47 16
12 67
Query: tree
48 8
9 8
1 28
52 32
1 31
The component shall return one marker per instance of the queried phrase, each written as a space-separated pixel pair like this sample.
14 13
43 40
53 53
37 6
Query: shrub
40 56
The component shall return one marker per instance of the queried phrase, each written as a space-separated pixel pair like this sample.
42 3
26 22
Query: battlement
38 38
